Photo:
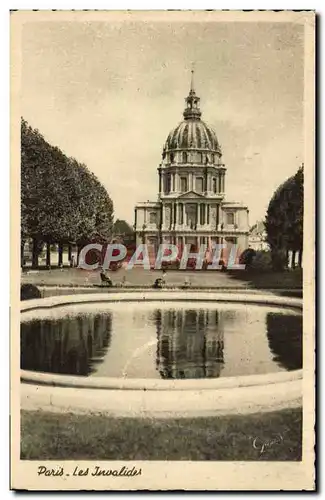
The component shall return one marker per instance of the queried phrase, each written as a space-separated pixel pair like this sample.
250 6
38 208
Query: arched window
214 185
212 158
230 218
180 214
200 157
184 157
152 218
168 183
183 184
202 214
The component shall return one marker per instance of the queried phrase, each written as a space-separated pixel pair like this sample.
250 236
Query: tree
284 220
61 201
121 227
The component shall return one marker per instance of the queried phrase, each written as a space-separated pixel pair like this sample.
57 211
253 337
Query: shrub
247 257
262 261
28 292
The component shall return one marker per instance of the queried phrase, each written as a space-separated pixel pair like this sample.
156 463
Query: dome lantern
192 109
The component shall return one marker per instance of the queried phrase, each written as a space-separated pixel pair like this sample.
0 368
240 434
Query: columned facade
191 206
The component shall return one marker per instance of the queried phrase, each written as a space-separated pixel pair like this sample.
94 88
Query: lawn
267 436
138 277
288 279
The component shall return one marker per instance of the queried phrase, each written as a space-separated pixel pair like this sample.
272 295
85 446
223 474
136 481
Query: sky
108 94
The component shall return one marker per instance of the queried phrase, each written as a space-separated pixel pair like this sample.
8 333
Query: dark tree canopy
121 227
61 200
284 219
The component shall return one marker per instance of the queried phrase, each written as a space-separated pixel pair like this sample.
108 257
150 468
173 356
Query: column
162 215
208 214
218 214
198 242
176 213
135 219
159 173
161 221
219 182
198 214
163 182
184 215
191 187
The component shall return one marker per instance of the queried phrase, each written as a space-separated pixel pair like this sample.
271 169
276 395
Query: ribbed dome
192 134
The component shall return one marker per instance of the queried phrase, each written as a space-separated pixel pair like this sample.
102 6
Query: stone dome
192 134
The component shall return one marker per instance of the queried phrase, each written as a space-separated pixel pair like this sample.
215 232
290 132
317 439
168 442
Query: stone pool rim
110 383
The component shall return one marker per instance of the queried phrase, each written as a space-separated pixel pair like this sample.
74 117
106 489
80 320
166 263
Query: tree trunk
79 247
35 254
48 255
60 254
300 258
69 252
22 260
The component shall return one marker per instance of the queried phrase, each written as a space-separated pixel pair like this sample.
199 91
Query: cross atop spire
192 80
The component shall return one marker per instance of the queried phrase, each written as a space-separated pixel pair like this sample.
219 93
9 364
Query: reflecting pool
168 340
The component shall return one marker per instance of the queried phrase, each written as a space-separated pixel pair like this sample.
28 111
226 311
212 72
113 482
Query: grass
50 436
247 279
289 279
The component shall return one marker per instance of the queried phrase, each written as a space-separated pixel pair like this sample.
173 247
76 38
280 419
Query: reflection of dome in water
284 333
189 344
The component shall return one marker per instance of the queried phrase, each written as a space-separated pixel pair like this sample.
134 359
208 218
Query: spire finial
192 78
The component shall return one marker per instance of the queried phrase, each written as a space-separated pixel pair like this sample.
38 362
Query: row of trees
62 202
284 221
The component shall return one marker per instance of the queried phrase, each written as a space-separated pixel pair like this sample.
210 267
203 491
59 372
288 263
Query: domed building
191 206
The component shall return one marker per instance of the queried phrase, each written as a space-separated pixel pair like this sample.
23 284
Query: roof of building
233 204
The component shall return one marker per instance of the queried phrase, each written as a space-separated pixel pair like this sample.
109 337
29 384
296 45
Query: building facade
191 207
257 237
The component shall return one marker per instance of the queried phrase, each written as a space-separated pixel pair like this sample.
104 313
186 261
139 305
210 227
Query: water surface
172 340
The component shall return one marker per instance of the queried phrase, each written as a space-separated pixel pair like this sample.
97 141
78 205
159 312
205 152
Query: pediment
192 195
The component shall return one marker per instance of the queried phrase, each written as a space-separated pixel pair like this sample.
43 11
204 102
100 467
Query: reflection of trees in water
284 333
190 343
71 345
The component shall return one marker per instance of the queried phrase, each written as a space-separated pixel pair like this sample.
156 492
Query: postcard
163 250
